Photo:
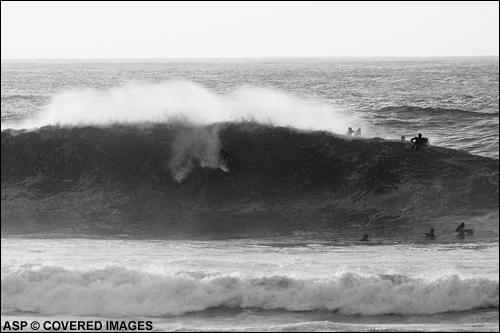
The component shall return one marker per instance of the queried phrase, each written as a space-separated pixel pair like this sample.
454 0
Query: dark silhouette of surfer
349 131
365 238
403 138
461 234
223 156
357 132
461 229
430 234
418 141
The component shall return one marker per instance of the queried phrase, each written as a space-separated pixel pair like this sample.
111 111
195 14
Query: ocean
118 210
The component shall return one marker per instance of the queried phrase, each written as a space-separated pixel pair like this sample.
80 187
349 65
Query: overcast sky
66 29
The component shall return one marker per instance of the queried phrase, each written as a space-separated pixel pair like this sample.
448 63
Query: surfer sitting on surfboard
418 141
430 234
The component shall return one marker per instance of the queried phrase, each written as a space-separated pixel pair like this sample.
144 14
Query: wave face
118 292
162 180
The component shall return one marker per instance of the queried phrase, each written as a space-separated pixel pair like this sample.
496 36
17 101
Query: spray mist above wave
194 146
162 102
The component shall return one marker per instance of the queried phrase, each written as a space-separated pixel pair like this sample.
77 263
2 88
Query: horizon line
252 58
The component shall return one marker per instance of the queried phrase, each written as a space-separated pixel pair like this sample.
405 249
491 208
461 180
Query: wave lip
118 292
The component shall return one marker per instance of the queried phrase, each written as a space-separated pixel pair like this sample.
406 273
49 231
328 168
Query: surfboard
223 167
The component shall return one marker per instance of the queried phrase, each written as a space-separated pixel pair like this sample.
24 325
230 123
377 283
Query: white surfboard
223 167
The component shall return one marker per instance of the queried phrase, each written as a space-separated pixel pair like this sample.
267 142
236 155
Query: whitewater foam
117 292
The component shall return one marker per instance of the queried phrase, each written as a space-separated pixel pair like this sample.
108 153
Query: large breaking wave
162 180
